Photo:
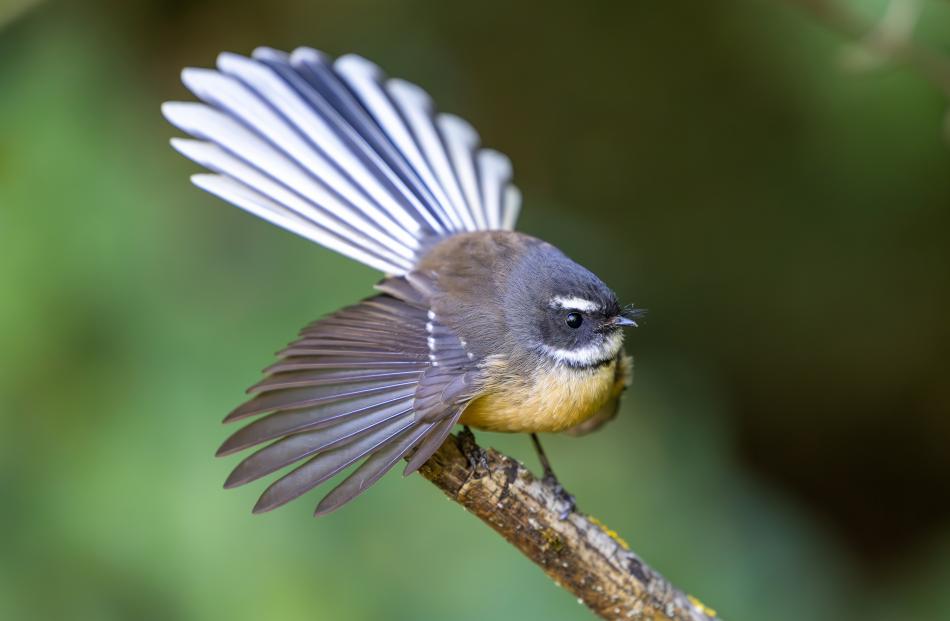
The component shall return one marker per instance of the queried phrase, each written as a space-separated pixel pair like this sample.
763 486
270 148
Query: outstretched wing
364 383
334 151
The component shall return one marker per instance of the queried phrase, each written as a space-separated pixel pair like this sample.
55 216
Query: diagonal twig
578 553
904 50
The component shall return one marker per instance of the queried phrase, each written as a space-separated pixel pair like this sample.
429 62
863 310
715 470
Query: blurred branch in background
12 9
891 40
577 552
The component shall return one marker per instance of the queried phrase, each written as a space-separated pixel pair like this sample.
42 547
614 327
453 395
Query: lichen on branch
578 552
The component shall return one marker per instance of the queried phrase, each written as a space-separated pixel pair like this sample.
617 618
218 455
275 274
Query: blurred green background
783 453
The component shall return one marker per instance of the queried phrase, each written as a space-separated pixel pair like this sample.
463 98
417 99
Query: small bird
473 323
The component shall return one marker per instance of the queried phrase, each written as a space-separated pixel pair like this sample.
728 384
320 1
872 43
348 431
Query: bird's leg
551 479
473 453
549 476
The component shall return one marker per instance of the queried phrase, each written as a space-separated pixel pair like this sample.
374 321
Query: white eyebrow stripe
588 355
574 303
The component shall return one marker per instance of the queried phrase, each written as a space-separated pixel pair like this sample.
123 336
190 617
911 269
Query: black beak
623 322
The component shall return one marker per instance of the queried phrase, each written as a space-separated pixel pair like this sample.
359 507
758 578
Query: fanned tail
339 154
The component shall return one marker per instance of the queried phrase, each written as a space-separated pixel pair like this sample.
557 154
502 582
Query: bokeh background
783 453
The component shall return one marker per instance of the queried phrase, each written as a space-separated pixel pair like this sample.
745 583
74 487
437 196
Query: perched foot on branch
561 494
473 453
550 480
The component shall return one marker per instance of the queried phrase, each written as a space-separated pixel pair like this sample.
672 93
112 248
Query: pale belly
555 399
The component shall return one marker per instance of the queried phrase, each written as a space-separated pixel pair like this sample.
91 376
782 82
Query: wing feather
371 470
295 421
327 464
300 445
432 442
363 383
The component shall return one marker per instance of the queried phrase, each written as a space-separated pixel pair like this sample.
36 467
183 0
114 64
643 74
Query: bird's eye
575 320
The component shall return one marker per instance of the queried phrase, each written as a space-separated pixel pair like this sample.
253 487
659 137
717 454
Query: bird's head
562 312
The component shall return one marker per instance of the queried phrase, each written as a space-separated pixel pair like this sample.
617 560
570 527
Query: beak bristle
629 315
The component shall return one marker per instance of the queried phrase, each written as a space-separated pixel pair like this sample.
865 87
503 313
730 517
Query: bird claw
476 456
560 494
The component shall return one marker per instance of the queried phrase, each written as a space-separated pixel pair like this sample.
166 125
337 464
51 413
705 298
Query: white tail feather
247 199
336 153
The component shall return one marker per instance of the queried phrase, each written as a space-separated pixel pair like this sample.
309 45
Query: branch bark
577 552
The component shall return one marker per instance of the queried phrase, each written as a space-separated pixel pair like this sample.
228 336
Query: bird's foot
550 480
560 494
476 456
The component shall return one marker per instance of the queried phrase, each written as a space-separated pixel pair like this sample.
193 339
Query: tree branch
901 48
578 553
889 40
